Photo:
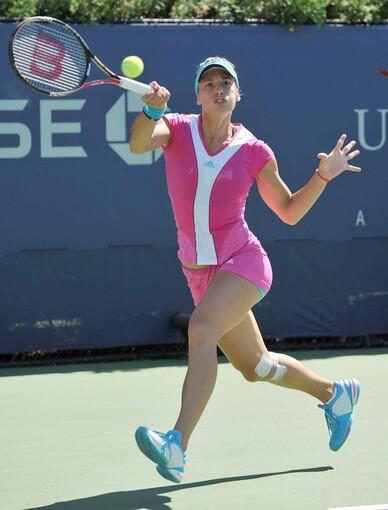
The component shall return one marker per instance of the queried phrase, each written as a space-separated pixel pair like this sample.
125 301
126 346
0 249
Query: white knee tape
269 368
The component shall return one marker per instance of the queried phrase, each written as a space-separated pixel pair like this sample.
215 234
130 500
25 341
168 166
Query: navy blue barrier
87 238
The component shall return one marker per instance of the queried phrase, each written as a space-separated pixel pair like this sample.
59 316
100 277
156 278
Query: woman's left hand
333 164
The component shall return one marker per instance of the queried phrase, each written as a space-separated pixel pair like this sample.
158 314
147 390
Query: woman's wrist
153 113
322 176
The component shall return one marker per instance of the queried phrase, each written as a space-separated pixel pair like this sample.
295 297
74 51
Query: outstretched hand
159 96
337 161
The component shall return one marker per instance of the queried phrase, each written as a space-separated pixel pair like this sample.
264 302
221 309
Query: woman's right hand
158 98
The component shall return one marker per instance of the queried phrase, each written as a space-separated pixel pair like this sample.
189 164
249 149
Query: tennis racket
51 57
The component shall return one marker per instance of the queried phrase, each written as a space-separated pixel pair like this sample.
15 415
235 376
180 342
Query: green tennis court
67 439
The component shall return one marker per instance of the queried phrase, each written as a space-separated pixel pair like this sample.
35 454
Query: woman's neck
216 130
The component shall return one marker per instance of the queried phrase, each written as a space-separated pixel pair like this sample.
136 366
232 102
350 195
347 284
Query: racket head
49 56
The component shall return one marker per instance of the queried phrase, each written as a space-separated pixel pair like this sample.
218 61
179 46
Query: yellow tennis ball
132 66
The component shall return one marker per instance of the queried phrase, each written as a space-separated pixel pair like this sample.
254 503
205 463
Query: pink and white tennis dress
208 193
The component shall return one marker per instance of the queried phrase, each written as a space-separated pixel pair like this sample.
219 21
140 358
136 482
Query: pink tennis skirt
251 263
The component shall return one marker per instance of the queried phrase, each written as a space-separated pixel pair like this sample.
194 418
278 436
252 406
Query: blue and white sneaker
339 411
163 449
172 474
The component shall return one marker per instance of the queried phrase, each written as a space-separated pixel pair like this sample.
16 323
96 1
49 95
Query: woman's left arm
291 207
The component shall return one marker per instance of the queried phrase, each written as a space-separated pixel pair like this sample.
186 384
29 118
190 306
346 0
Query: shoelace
166 445
169 438
333 422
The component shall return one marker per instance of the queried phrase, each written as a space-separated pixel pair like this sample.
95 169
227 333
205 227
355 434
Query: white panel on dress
209 167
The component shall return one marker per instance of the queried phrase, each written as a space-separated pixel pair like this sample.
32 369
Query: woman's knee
268 369
202 329
249 374
246 370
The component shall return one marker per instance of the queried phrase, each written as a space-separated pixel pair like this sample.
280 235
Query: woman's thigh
224 305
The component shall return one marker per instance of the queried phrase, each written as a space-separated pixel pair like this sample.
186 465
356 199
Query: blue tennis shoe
339 411
163 449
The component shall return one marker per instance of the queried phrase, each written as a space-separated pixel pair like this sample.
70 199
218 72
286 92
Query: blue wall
88 243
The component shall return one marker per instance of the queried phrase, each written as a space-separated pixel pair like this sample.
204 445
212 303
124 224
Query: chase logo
209 164
117 130
52 136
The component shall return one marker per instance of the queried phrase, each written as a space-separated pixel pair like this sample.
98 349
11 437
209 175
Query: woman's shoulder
257 144
258 151
179 119
179 127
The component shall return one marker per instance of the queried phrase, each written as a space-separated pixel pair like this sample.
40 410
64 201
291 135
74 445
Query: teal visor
214 62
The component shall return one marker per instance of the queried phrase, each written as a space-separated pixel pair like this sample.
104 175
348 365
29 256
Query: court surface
67 439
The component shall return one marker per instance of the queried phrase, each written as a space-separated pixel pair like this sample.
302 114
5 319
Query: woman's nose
219 89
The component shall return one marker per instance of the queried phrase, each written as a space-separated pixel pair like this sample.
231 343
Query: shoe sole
169 474
355 391
146 447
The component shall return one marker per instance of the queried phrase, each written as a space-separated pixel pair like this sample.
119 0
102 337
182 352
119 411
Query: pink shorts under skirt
251 263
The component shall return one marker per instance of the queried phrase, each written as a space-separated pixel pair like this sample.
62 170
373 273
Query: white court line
369 507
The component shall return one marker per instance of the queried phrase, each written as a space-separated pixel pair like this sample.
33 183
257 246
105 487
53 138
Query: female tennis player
211 163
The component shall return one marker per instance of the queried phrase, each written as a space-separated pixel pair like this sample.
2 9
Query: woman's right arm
146 134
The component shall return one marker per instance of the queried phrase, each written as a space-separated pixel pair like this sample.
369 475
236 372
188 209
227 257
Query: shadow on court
153 498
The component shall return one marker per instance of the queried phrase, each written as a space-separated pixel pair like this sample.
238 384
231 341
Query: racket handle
134 86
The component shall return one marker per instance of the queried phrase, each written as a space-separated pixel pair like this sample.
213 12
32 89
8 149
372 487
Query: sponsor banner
69 181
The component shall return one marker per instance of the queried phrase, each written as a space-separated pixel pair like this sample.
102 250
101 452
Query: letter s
15 128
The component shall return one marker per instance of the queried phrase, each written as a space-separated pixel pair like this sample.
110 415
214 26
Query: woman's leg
226 302
244 347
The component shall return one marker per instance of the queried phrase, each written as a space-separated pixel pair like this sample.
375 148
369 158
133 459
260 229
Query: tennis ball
132 66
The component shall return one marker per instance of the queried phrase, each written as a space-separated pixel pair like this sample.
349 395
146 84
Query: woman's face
217 91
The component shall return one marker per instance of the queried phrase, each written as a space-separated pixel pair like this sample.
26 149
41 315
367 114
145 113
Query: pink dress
208 193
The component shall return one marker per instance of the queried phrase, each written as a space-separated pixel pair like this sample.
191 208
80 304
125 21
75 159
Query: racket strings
49 57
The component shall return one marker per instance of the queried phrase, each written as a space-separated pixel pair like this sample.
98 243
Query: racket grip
134 86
